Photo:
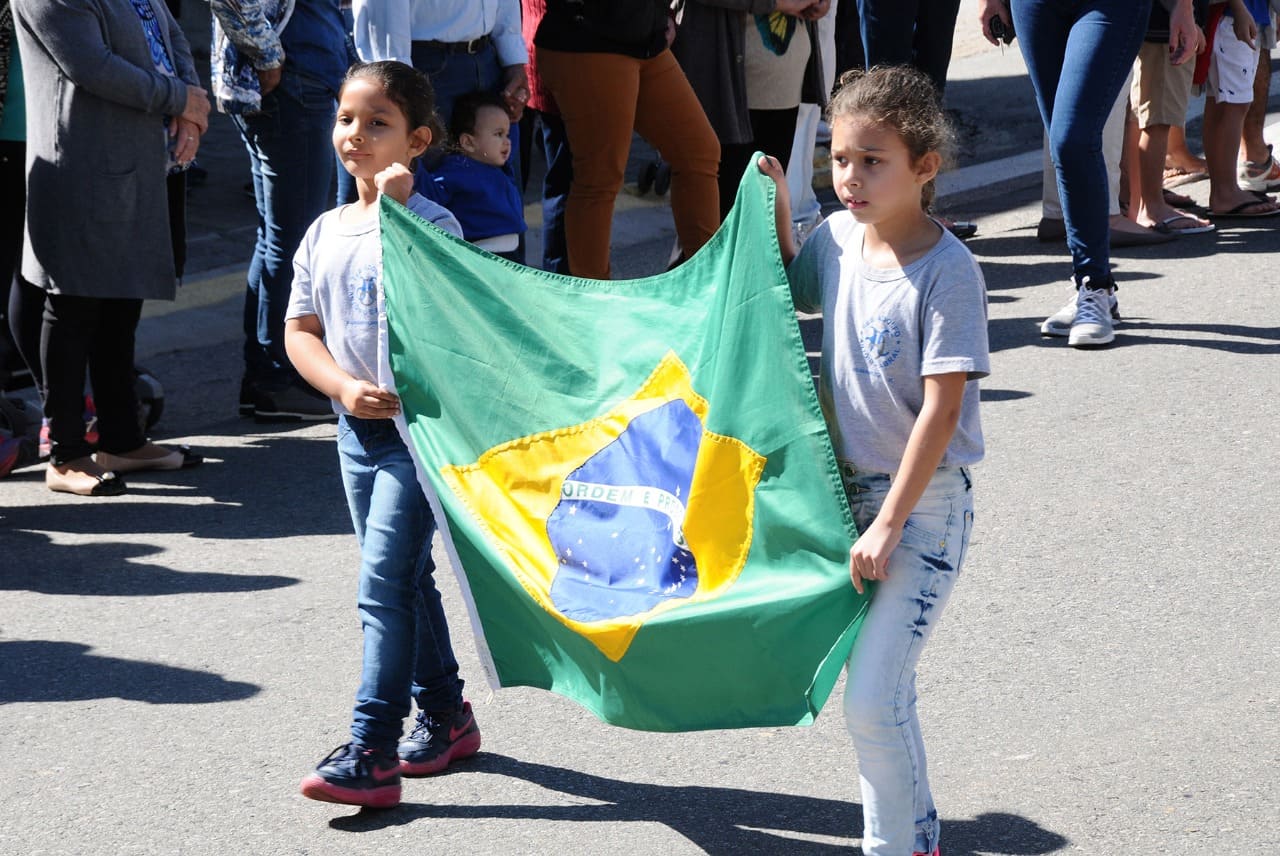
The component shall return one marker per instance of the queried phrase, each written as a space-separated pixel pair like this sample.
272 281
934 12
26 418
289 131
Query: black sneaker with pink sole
437 740
355 775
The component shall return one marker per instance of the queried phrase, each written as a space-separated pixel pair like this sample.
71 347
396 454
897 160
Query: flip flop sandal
1237 213
1177 176
1165 227
1179 200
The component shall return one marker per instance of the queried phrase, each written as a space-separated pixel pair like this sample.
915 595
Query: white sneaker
1059 323
1092 327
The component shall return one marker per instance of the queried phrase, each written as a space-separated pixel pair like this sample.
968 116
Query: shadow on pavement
717 820
40 671
1249 340
269 487
106 569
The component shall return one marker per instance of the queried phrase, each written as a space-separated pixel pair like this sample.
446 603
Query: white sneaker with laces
1059 323
1092 327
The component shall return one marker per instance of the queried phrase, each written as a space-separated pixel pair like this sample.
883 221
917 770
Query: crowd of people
437 105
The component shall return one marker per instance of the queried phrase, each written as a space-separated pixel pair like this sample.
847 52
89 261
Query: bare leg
1149 208
1222 128
1130 186
1179 156
1252 145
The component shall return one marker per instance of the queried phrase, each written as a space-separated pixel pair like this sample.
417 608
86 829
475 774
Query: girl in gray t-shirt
904 341
335 333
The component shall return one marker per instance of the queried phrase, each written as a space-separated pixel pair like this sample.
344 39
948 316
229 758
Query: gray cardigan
97 207
709 46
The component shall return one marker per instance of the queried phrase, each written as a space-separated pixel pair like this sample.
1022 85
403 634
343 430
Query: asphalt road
1106 679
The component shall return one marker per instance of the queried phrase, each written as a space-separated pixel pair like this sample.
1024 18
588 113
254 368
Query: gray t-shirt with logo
883 331
337 276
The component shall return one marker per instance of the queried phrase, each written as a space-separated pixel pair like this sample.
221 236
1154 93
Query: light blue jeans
898 815
407 650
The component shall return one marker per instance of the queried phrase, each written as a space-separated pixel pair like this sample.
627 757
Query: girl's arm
943 394
304 343
781 207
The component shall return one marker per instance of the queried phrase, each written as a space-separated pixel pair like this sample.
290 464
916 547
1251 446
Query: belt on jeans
474 46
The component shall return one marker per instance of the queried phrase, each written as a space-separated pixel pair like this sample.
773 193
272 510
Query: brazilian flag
633 478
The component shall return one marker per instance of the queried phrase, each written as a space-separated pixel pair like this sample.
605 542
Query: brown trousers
602 98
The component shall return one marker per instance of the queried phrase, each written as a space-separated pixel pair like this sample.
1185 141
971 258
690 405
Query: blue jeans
880 698
407 651
1078 53
910 32
290 143
347 192
555 193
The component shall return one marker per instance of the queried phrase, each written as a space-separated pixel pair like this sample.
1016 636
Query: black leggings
97 334
773 133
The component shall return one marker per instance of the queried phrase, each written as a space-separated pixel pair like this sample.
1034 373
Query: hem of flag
446 536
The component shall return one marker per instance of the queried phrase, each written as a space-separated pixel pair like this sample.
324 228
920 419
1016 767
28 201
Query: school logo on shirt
881 341
363 291
613 521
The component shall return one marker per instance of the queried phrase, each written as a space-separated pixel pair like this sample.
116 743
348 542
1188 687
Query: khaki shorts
1160 90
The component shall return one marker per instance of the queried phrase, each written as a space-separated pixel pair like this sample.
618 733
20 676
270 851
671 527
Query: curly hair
903 98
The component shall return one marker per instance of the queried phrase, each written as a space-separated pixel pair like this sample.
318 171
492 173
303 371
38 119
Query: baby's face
491 142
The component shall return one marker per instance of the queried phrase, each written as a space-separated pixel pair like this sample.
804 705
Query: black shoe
354 775
439 740
296 402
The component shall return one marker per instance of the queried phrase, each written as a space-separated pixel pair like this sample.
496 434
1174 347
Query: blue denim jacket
250 35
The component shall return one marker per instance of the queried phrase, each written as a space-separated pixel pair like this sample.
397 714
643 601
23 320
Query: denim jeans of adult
910 32
346 182
291 158
407 651
880 697
1078 54
555 192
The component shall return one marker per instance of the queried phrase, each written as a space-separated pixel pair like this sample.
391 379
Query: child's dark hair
903 98
409 88
467 107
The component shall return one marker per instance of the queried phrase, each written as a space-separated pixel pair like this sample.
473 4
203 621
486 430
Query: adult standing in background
276 67
20 339
742 82
1078 56
542 123
608 65
909 32
462 45
121 106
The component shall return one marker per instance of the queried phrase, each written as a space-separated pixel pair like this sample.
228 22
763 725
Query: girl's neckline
917 253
